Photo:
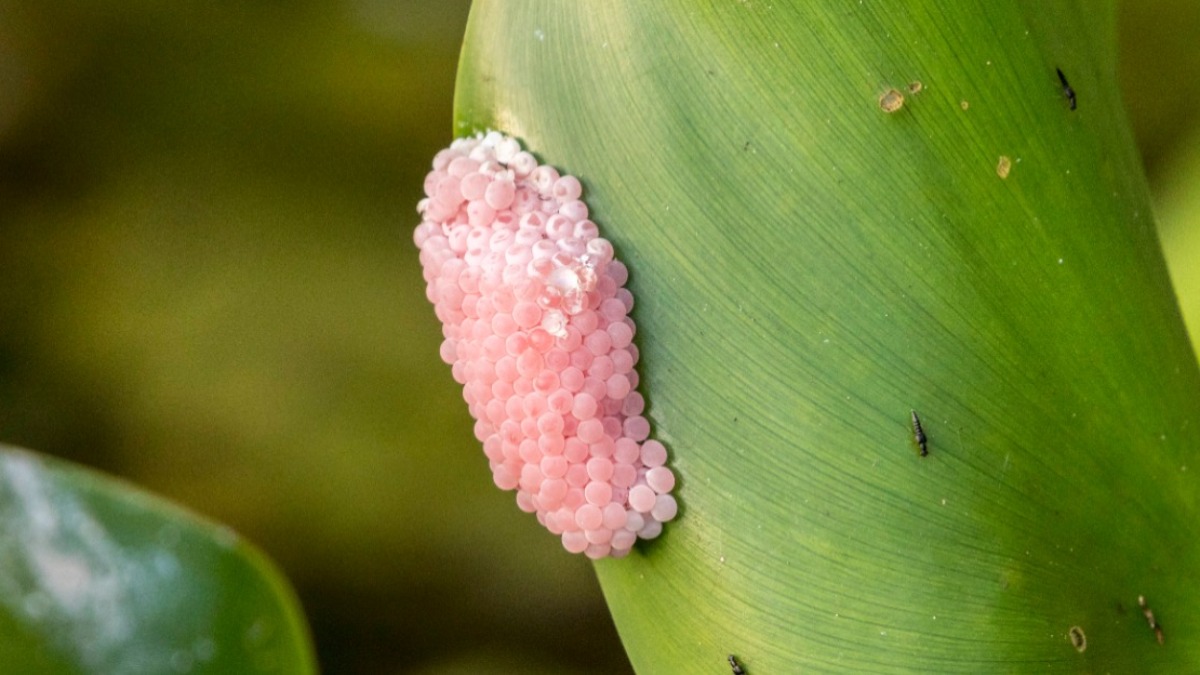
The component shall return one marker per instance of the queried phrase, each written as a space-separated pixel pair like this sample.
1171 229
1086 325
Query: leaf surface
809 269
97 576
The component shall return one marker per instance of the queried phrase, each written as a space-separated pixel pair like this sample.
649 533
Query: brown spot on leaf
1004 166
891 101
1078 639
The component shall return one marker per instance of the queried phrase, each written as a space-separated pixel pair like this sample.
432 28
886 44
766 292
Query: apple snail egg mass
537 331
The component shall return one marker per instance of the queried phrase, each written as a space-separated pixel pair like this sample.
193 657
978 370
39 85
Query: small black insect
735 666
919 434
1067 90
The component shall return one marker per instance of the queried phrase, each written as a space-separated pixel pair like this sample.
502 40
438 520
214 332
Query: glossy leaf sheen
100 577
808 269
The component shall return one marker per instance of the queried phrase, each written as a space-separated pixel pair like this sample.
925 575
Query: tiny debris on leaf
1067 90
1149 614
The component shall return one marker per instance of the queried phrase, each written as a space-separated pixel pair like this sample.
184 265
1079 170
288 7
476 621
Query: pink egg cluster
535 315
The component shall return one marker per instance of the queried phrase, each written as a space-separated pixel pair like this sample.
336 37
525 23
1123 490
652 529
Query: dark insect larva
919 434
734 666
1067 90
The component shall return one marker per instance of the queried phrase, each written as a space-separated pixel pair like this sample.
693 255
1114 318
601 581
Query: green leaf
809 269
1179 218
99 577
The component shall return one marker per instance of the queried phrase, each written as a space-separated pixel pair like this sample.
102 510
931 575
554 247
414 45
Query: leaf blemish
915 87
1003 167
1066 88
891 101
1078 639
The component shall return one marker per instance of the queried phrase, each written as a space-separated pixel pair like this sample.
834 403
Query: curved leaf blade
100 577
809 269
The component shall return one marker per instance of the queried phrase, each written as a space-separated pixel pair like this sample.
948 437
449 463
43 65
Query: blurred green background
208 285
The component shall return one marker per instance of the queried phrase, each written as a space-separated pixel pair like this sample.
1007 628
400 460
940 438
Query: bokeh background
208 286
